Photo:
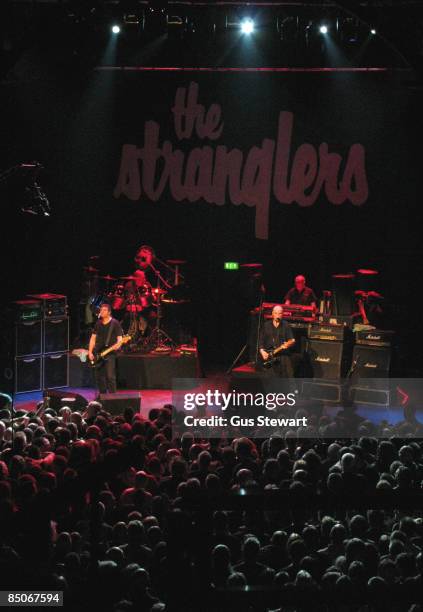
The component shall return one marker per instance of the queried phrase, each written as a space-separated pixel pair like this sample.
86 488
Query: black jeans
105 375
282 368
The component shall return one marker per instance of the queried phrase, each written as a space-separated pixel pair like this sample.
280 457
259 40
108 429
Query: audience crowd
119 514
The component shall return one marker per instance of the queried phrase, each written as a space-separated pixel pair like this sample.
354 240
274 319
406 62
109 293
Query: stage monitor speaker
55 370
27 374
58 399
365 395
116 403
372 361
28 338
56 335
325 359
322 391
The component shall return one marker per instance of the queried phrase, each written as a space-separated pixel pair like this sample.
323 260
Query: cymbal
343 275
251 265
94 257
367 272
129 278
108 277
367 294
176 262
171 301
90 269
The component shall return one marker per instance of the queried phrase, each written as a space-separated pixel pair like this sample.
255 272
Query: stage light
115 29
373 31
247 26
323 29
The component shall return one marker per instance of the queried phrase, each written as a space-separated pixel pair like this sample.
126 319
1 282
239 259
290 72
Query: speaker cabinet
325 359
115 403
73 400
372 361
370 379
56 370
56 335
28 338
27 375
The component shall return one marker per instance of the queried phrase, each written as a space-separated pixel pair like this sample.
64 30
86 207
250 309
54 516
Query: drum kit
137 303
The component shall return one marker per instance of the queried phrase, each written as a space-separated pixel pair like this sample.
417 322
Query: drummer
138 290
144 259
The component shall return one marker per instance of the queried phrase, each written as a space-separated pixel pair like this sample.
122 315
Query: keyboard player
300 294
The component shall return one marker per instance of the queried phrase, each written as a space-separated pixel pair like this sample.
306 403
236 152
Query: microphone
278 319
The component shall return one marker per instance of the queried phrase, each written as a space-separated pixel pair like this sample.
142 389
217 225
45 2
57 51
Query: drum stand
159 339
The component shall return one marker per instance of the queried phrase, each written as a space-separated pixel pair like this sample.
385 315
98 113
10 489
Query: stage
138 371
156 398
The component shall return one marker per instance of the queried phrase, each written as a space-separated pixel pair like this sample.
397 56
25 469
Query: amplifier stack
372 359
38 356
332 356
328 357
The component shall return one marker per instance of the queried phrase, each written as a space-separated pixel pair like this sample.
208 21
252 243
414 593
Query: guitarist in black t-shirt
107 334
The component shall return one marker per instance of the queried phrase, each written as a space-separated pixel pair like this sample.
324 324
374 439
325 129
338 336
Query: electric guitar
100 358
273 354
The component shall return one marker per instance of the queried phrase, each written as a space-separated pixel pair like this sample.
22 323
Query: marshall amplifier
328 333
374 337
28 338
56 370
325 360
27 310
370 379
371 362
53 304
56 335
27 374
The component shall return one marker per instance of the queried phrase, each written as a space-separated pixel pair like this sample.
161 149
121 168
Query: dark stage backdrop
305 173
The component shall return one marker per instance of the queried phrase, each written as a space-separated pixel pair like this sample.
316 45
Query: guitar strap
109 334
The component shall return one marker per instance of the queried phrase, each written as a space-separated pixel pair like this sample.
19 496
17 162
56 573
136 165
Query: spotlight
247 26
373 31
115 29
323 29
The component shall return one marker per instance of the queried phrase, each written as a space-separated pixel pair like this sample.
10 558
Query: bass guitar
273 354
100 358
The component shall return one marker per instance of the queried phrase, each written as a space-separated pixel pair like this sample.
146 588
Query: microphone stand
160 277
259 328
244 348
346 387
171 268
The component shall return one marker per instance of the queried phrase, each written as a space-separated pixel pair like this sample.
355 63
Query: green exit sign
231 265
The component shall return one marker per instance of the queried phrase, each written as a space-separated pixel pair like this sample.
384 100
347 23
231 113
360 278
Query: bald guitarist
107 334
276 338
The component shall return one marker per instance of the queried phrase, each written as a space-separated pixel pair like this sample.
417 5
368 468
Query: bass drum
117 298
